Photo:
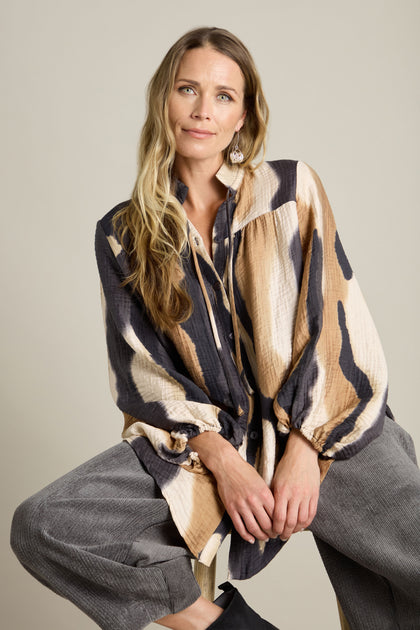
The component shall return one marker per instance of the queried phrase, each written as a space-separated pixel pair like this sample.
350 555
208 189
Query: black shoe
237 615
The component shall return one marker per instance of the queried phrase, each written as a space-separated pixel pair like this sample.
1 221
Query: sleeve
148 381
336 391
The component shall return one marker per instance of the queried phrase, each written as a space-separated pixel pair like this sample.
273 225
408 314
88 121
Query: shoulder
279 169
283 167
105 236
310 191
283 179
267 187
288 180
275 186
106 221
286 173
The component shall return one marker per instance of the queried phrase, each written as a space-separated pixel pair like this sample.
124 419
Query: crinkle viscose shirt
280 337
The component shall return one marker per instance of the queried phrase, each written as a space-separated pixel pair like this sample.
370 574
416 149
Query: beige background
342 82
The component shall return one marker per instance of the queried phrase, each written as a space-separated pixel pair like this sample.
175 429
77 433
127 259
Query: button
196 241
231 336
253 435
217 286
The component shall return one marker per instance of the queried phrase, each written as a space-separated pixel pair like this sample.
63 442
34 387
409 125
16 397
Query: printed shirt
280 337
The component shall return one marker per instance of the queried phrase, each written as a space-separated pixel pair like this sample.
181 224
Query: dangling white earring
236 156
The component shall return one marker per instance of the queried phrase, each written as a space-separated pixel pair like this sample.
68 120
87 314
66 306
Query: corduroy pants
102 536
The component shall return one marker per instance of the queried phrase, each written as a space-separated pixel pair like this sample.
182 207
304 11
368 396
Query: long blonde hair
153 226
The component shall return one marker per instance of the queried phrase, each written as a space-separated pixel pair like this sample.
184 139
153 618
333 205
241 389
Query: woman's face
206 105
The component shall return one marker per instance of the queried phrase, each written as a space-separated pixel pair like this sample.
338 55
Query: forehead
209 65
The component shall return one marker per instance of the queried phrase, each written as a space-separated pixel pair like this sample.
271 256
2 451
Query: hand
295 487
247 498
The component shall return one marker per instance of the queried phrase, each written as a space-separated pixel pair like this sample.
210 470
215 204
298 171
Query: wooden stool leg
206 578
343 621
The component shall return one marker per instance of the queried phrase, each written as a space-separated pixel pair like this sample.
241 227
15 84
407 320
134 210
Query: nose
202 109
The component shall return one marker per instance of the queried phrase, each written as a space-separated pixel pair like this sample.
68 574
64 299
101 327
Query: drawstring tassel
205 294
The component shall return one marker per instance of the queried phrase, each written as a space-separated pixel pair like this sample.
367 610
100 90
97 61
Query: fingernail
284 539
251 540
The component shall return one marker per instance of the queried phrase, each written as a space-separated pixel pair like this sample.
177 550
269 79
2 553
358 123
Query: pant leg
367 529
102 536
365 596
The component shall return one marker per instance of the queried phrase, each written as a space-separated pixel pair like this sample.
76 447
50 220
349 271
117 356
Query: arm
335 396
336 391
162 403
148 381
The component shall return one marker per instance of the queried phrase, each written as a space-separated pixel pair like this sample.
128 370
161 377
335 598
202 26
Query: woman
245 362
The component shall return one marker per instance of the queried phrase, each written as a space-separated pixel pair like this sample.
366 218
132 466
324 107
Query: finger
279 516
252 526
269 504
240 528
264 521
291 519
313 507
303 516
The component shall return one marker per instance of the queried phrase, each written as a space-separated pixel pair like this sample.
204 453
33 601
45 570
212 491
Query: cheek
233 120
176 118
171 116
173 110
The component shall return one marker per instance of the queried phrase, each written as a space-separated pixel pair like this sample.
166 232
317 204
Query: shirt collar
230 175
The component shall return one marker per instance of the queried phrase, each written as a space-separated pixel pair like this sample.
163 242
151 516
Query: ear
241 122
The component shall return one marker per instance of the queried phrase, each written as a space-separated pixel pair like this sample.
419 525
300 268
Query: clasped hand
261 512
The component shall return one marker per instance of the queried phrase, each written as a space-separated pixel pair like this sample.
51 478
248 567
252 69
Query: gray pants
102 536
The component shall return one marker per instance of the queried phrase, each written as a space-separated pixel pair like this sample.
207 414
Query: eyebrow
218 87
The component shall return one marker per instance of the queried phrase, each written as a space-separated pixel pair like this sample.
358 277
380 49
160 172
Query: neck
204 189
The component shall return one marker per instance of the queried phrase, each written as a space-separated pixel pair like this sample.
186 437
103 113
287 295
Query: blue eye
225 97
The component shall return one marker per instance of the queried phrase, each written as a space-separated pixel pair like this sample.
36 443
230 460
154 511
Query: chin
197 154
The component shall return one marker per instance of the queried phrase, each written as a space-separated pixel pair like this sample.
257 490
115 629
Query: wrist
212 449
297 443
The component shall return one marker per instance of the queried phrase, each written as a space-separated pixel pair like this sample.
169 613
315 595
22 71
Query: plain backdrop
342 81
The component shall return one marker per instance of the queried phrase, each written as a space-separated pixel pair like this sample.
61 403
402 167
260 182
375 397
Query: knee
25 530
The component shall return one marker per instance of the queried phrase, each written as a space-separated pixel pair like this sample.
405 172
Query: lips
199 133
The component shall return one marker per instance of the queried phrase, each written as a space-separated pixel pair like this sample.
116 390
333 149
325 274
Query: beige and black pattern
280 337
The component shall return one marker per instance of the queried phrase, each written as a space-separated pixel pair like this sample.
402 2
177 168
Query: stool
206 578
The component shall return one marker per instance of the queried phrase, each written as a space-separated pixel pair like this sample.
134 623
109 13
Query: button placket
217 296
